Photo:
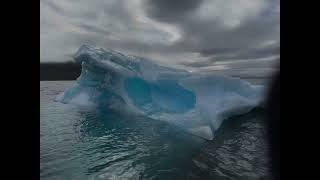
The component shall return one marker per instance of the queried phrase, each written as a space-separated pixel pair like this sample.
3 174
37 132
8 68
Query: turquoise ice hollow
196 102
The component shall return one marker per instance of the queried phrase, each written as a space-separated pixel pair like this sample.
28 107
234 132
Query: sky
204 35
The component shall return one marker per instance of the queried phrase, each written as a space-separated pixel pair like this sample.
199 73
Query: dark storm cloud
171 10
219 32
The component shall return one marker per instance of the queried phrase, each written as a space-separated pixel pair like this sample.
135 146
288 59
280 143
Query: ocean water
79 143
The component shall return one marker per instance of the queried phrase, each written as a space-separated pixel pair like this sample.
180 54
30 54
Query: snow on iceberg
198 103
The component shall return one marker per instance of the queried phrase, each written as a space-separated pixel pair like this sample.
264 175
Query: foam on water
198 103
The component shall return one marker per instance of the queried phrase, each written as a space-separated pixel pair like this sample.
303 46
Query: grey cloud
95 29
75 13
53 6
251 63
65 25
214 51
240 54
248 68
209 31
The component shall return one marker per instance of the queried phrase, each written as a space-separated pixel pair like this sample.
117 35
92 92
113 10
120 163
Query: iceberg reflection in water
79 142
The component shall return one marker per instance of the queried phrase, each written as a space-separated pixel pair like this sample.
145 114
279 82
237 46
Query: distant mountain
59 71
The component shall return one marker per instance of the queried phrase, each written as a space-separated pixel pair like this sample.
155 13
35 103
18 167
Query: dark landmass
54 71
59 71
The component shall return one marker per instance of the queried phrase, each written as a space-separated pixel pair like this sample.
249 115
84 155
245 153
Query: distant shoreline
59 71
69 71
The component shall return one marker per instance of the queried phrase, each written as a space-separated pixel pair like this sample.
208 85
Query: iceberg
196 102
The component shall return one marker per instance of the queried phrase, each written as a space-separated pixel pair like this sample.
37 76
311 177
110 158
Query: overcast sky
198 34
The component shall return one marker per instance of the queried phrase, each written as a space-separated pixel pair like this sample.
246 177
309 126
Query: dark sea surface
78 143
